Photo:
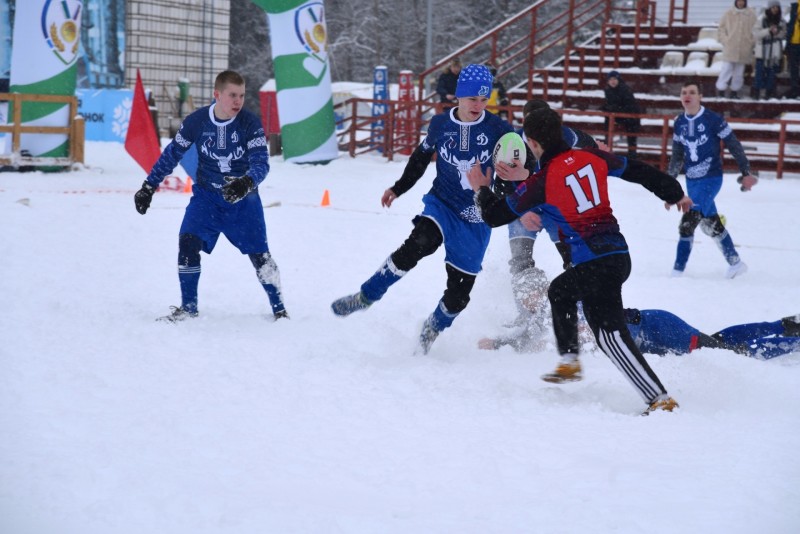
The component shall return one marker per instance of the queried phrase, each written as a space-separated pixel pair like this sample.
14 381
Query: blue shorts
465 243
517 231
703 191
208 215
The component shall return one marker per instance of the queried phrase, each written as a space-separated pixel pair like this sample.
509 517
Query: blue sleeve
741 334
257 154
428 144
420 159
734 147
172 155
663 332
569 136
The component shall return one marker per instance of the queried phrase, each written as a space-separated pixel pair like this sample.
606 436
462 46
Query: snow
232 423
705 43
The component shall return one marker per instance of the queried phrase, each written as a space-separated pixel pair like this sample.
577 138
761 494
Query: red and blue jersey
570 193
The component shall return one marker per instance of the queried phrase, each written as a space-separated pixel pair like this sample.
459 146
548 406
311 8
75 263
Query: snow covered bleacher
672 60
656 71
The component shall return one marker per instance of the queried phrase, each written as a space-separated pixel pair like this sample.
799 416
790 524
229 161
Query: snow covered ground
114 423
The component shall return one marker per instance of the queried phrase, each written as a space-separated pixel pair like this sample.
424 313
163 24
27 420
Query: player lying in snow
656 331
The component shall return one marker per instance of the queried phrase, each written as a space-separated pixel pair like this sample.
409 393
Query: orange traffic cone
326 199
187 187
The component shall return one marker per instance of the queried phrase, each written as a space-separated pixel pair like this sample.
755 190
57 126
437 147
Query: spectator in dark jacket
499 96
620 99
448 80
769 33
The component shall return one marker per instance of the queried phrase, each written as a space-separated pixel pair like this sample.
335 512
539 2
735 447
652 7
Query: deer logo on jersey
223 160
463 165
692 146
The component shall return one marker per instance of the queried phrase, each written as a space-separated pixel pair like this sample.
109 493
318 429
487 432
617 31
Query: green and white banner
302 78
46 44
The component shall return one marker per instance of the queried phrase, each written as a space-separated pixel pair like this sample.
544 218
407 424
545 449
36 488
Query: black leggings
598 284
423 241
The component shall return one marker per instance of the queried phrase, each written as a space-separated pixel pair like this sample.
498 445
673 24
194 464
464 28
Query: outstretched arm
414 170
676 161
737 151
747 180
661 184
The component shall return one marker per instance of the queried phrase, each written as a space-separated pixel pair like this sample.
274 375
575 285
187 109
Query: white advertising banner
46 44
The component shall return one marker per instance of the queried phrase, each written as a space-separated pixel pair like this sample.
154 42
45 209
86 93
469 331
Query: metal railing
520 48
538 34
770 145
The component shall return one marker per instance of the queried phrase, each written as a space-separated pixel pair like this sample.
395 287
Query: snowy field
113 423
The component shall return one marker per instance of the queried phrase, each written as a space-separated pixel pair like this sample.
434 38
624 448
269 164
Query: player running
570 199
461 137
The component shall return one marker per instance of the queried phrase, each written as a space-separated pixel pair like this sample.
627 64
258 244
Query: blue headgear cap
474 80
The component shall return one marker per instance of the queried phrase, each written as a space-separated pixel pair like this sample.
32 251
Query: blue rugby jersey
458 146
234 147
696 145
661 332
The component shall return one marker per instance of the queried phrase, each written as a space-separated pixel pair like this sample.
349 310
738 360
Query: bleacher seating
672 59
707 33
697 60
716 63
655 72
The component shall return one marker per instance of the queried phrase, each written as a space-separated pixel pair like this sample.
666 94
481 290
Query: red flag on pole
141 142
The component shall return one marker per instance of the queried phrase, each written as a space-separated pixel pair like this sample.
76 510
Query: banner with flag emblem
44 62
299 38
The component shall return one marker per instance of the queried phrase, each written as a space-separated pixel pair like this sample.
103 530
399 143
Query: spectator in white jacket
736 35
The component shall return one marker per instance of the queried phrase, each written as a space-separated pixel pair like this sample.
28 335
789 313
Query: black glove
503 188
236 188
143 197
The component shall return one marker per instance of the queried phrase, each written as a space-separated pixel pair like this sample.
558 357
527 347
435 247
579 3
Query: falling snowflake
122 117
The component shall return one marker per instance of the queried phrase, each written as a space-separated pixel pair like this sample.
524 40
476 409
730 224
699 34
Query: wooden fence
74 130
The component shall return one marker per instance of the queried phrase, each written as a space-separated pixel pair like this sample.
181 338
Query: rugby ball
509 149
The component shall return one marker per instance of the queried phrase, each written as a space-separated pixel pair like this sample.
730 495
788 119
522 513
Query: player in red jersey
568 197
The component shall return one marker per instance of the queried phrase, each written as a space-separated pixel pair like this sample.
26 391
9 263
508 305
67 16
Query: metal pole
428 46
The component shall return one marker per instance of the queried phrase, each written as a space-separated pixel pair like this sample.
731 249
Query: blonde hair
227 77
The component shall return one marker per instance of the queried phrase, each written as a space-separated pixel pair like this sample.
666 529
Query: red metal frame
520 55
526 41
357 137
